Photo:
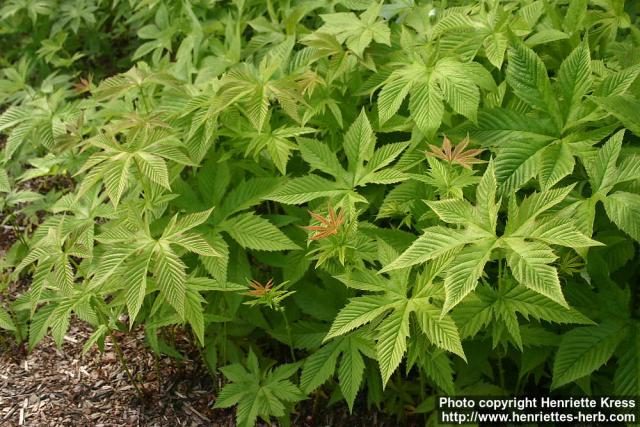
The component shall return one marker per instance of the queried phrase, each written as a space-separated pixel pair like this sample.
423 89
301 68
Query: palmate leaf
556 162
583 350
530 265
255 232
466 269
501 127
359 311
392 339
195 243
602 169
319 156
453 211
435 242
562 232
359 142
193 313
351 371
437 366
624 108
486 207
5 321
441 330
305 189
393 94
321 365
136 284
627 377
521 217
170 275
427 107
154 168
258 392
527 76
617 83
517 163
574 79
245 195
116 177
532 304
357 32
624 210
217 266
4 181
458 89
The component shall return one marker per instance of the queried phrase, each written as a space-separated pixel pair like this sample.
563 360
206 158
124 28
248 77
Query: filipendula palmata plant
373 202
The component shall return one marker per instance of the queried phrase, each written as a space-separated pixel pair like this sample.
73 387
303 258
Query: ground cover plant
378 202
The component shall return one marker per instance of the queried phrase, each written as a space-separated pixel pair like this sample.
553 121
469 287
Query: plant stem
16 230
286 325
501 372
124 364
14 317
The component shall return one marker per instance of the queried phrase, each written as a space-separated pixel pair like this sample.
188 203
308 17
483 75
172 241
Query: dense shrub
387 201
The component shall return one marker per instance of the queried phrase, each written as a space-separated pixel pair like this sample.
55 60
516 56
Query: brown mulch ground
61 387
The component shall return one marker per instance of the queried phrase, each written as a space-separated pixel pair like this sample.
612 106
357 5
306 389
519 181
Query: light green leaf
574 79
392 340
458 89
350 371
255 232
624 210
602 170
453 211
561 231
319 366
624 108
617 83
583 350
4 181
516 163
530 263
394 91
5 321
154 168
427 107
359 311
441 330
435 242
527 76
195 243
466 269
305 189
556 162
169 272
495 46
319 156
135 281
359 142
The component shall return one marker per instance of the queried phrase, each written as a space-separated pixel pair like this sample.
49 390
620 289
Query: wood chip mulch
61 387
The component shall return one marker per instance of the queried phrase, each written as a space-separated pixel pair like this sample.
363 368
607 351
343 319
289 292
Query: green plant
274 179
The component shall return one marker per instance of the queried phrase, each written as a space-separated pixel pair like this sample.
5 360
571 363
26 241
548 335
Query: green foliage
275 179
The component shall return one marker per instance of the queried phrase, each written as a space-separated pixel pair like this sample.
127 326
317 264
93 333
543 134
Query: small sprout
457 154
329 225
267 294
84 85
259 289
